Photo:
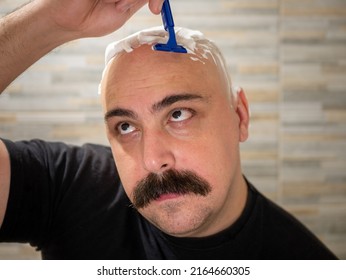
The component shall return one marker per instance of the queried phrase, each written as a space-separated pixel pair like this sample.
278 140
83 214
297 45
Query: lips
168 196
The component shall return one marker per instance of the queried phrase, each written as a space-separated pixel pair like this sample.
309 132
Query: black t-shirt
69 203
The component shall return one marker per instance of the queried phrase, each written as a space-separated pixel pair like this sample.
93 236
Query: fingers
125 6
155 6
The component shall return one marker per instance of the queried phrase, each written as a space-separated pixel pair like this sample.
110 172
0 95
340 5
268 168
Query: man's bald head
199 48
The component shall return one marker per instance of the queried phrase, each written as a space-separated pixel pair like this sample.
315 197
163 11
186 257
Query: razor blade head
168 23
170 48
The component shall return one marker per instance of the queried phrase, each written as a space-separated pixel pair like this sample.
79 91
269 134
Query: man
174 126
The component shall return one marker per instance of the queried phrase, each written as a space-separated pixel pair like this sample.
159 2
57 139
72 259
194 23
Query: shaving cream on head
198 47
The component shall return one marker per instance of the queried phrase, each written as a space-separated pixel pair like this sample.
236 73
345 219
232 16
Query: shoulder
43 150
61 163
284 237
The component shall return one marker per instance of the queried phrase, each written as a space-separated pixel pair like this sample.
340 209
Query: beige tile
290 58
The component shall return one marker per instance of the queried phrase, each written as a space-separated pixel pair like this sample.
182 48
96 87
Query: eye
125 128
179 115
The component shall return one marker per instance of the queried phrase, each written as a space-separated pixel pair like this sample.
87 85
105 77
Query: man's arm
40 26
29 33
4 180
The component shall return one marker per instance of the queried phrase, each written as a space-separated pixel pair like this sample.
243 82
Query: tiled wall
289 56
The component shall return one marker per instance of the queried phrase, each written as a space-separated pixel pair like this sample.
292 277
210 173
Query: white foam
199 48
185 37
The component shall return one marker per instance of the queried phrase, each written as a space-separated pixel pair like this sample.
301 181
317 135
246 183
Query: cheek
215 155
128 171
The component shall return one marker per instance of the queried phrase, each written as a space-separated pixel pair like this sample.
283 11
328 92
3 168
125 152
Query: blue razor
168 23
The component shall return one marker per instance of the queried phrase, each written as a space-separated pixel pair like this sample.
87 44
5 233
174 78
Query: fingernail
236 89
160 7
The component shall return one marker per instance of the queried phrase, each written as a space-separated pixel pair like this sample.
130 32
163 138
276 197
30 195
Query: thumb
155 6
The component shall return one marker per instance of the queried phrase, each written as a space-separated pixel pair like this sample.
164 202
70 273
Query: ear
242 110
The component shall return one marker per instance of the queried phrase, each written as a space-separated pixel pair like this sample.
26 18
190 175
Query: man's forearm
25 36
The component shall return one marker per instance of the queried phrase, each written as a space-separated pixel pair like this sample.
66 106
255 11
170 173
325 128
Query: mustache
171 181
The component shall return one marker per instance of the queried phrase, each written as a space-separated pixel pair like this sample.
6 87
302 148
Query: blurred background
288 55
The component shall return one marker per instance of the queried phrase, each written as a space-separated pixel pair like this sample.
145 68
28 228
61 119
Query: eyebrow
171 99
120 112
156 107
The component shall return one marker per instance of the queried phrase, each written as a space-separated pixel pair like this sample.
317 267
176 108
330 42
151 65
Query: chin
181 222
179 230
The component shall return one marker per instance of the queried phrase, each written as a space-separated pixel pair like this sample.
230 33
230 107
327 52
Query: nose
157 152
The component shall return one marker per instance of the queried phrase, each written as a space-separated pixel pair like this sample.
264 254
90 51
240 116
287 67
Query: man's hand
40 26
91 18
